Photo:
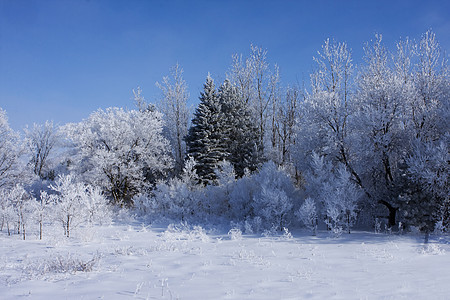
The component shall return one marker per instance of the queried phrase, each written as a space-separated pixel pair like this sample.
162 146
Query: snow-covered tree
335 192
41 140
307 213
177 197
424 199
189 175
43 209
12 169
121 151
216 197
96 205
225 173
349 195
176 114
284 117
272 205
241 197
402 118
205 141
257 86
6 211
139 100
16 209
241 135
69 208
176 200
324 124
379 125
21 203
273 197
429 112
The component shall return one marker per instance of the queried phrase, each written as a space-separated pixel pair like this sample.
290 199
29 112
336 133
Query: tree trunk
392 213
68 222
427 237
40 230
348 223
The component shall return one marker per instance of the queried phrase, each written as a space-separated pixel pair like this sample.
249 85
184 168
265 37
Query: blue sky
60 60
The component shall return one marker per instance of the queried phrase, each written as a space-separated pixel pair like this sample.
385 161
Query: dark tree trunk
40 230
427 237
392 213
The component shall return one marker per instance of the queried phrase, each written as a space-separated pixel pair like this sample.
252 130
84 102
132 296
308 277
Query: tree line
360 146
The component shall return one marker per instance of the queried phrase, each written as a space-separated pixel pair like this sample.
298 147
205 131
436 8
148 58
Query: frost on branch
307 213
121 151
12 169
77 204
337 194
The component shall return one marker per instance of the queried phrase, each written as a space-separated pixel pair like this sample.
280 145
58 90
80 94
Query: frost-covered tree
273 197
272 205
69 208
139 100
429 109
241 197
42 140
176 114
284 120
178 198
307 213
241 135
348 195
335 192
326 110
225 173
12 169
6 211
21 202
43 210
402 118
121 151
425 199
222 130
380 127
216 198
425 195
206 141
189 174
76 203
330 98
257 86
97 210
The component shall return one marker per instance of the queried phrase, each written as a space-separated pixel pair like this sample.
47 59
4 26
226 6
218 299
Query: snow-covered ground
185 262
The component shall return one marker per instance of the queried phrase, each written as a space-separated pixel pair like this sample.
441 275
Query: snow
134 260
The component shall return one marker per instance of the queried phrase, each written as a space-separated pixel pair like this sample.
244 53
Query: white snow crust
137 261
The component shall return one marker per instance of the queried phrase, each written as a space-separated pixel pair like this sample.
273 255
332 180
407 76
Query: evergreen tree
241 135
206 140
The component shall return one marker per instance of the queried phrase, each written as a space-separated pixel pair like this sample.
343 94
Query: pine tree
206 140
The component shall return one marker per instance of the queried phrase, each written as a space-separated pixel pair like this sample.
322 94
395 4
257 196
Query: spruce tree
206 139
241 135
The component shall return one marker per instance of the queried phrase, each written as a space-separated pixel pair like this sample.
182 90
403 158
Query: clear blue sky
62 59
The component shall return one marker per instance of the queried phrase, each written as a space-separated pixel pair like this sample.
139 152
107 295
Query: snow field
189 262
